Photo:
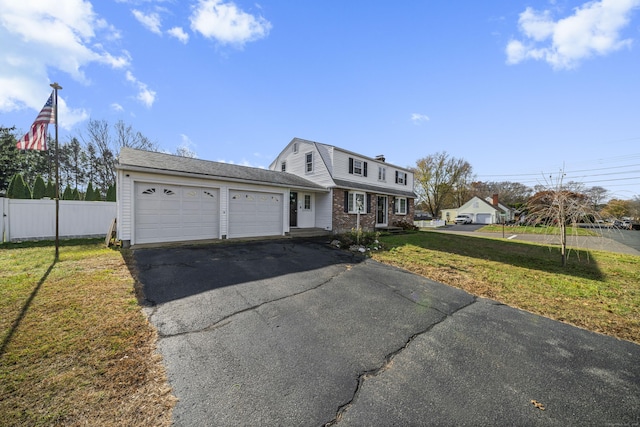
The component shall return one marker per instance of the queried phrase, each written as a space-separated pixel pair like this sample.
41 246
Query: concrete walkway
295 333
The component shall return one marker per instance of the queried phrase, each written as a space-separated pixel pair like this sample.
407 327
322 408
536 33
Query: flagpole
56 87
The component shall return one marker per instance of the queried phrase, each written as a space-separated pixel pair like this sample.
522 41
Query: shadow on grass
45 243
25 308
580 263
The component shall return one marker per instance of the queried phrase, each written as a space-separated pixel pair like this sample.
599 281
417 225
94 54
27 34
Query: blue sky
519 89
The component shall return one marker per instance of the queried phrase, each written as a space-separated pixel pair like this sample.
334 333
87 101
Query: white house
167 198
369 190
481 211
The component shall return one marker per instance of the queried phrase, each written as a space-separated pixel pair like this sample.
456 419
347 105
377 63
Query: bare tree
559 205
597 195
441 180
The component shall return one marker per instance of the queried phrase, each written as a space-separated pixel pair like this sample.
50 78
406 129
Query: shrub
39 188
405 225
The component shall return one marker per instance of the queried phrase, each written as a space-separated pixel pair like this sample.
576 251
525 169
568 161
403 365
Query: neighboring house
369 190
487 211
168 198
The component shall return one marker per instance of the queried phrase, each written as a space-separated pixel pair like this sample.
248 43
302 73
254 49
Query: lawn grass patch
75 348
543 229
599 291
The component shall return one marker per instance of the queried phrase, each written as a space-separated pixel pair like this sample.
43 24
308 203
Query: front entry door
293 209
382 211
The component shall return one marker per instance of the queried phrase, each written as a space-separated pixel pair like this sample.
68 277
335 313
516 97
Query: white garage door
252 213
483 218
171 213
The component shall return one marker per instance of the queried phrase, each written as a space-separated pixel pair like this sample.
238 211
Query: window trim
352 202
397 204
283 166
357 170
401 178
308 164
382 174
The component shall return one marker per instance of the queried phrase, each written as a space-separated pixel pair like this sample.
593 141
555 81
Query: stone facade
344 222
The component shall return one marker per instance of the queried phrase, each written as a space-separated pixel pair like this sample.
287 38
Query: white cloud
39 38
145 95
179 33
151 21
417 118
117 107
227 24
593 29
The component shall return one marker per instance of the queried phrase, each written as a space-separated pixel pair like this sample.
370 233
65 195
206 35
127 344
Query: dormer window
357 167
401 178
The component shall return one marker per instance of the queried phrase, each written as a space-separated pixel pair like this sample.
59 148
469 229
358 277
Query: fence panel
36 219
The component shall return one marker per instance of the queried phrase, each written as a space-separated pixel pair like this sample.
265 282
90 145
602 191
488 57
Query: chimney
495 200
380 157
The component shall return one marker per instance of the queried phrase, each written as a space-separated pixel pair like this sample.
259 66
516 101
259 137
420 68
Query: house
363 191
167 198
481 211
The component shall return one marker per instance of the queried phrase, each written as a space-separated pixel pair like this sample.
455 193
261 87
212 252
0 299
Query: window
357 202
401 178
308 160
357 167
295 147
400 206
283 166
307 202
382 173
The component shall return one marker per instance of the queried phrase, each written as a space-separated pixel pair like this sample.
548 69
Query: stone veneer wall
344 222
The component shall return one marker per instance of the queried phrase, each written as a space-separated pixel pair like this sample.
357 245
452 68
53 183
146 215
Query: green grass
520 229
597 290
74 346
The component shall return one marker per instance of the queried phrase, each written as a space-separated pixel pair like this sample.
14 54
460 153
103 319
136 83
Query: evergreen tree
75 194
12 183
111 193
67 194
50 192
88 195
39 188
19 190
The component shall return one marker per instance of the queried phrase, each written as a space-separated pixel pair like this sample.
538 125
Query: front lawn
75 347
599 291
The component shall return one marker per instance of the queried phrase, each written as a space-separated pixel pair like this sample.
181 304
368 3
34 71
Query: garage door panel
253 213
165 213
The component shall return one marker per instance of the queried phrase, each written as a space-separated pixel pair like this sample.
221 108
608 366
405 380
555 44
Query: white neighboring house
481 211
365 189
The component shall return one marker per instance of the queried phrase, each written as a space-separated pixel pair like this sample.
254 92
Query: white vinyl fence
36 219
434 223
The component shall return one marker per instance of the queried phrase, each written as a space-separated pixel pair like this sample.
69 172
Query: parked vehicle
626 224
463 219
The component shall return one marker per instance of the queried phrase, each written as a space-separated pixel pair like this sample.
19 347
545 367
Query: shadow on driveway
180 272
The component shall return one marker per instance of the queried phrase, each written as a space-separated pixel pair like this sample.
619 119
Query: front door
293 209
382 210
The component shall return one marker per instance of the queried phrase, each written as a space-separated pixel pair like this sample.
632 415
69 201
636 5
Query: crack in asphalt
217 324
388 361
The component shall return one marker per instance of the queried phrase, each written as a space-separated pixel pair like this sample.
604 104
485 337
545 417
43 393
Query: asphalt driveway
295 333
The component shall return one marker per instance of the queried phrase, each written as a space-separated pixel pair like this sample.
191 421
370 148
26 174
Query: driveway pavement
295 333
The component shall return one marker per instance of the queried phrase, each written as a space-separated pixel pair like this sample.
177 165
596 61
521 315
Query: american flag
36 138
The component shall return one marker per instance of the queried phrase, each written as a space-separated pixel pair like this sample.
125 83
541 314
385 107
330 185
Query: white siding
324 207
341 171
36 219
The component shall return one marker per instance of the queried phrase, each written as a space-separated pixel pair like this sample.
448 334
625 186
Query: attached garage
169 213
254 213
167 198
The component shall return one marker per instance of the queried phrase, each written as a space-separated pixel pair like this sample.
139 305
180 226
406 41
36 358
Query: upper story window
295 147
401 178
382 173
283 166
308 161
357 167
